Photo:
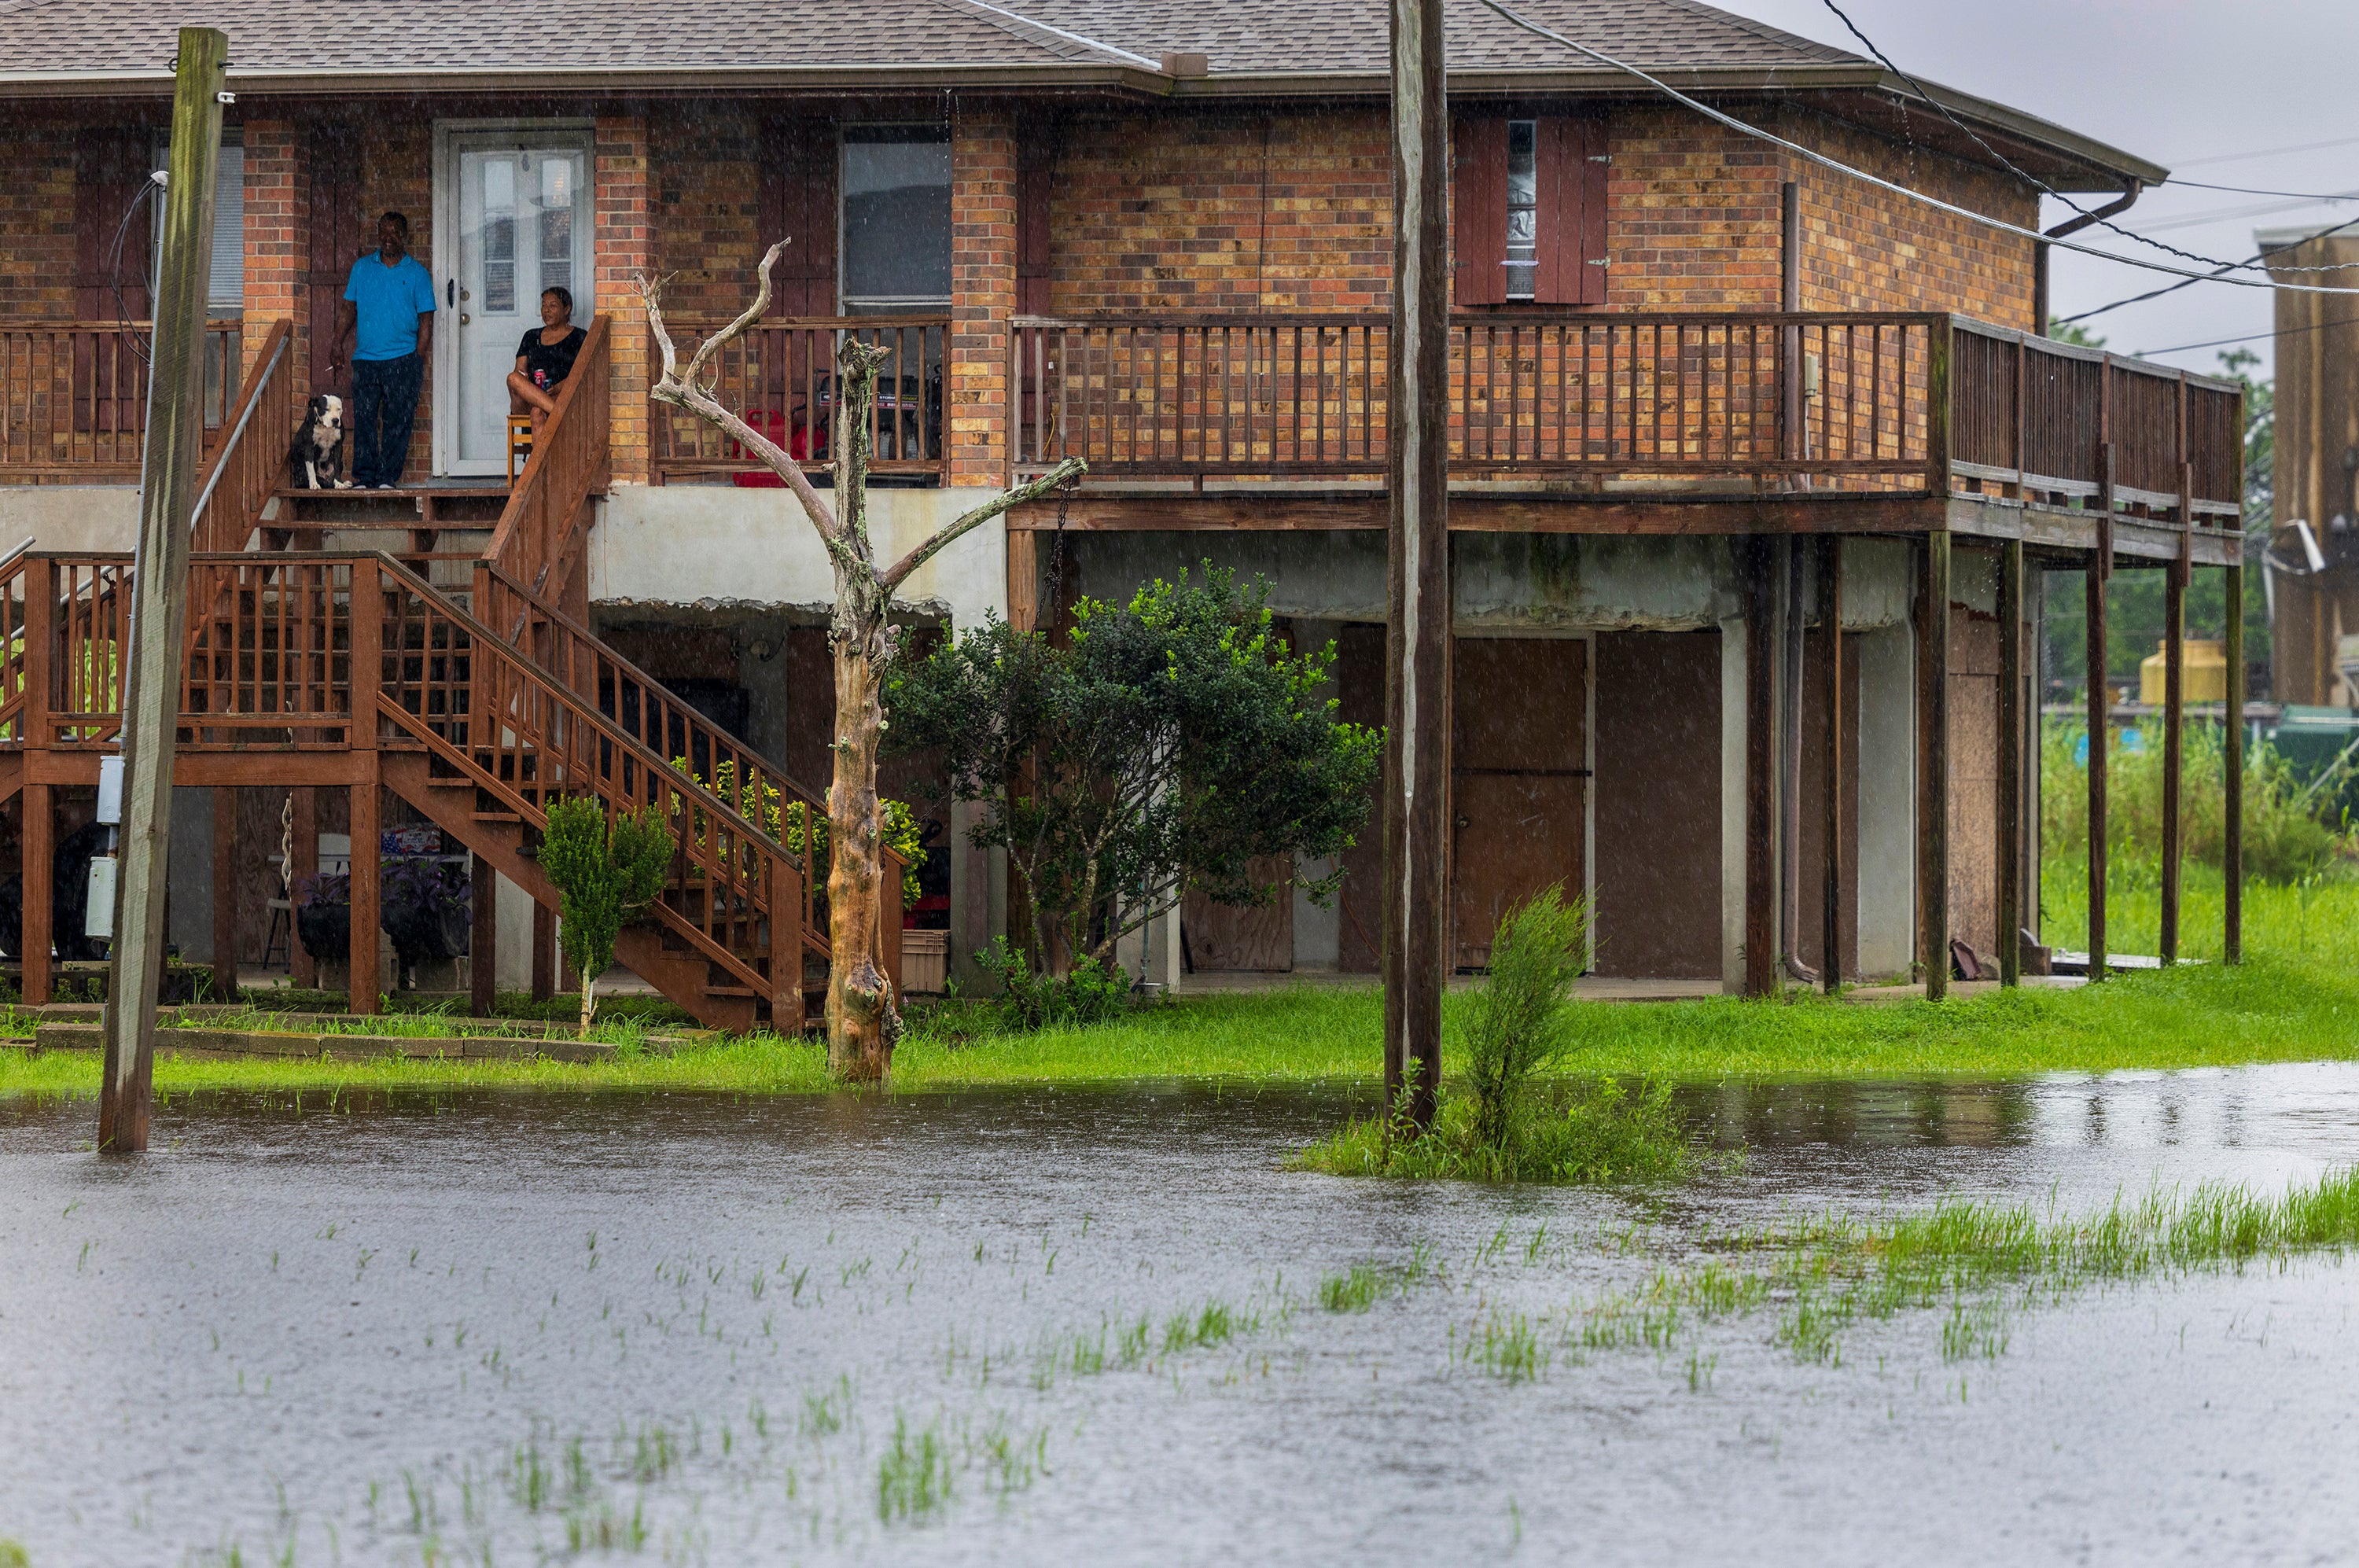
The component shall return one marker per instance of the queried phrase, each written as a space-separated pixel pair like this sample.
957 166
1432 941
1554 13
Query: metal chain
1055 597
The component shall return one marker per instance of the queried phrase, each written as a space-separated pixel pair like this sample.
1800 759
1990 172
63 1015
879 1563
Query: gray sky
2174 81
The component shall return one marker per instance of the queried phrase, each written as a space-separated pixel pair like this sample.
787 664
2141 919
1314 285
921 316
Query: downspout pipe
2072 225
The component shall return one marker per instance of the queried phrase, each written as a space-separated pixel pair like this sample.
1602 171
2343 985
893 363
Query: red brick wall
1693 221
624 232
36 224
704 199
1286 209
982 296
278 258
1867 249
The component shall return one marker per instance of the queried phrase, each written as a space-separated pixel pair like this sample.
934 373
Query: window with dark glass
895 218
1523 207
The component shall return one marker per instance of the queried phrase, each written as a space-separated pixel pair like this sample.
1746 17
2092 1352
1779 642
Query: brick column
982 296
625 245
277 244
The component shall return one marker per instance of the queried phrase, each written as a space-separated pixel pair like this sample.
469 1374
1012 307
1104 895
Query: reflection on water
510 1327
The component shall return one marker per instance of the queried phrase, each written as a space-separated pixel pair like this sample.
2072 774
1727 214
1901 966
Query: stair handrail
721 867
746 781
567 466
259 478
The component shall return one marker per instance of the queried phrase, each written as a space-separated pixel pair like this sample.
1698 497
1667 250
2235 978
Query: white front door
521 216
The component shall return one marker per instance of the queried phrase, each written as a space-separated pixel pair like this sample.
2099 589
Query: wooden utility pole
2011 708
160 593
1933 762
2231 851
1757 555
2101 718
2174 747
1416 599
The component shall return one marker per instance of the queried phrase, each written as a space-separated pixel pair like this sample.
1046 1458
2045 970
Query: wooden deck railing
545 516
780 377
249 462
74 397
1904 403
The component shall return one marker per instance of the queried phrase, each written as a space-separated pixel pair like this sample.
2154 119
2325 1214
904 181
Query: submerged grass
1605 1134
2272 1008
1982 1259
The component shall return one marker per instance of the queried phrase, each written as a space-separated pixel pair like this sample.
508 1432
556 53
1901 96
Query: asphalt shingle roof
1257 37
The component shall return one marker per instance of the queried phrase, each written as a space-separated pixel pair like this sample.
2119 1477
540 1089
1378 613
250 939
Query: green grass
2272 1008
1604 1135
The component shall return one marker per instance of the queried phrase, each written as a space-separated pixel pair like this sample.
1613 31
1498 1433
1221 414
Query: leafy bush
1087 993
1607 1134
1516 1025
606 872
2283 839
761 804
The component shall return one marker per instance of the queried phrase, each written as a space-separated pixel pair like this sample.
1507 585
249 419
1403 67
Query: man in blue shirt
389 303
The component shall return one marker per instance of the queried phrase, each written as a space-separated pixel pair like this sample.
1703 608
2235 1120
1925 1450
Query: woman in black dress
545 358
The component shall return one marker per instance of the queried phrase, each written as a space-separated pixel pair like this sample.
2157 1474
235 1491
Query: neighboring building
2314 601
1160 236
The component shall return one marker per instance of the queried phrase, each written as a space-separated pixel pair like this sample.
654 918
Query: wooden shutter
335 242
1571 227
797 204
1478 230
1036 157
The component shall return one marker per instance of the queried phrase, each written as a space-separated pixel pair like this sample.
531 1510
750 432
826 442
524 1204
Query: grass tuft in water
1608 1134
913 1478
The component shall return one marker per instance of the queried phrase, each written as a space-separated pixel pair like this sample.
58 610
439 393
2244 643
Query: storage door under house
1518 781
521 201
1246 937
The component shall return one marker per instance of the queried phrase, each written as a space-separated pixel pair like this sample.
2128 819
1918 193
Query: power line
2175 288
1812 156
2266 152
2249 337
1975 136
2253 189
2222 214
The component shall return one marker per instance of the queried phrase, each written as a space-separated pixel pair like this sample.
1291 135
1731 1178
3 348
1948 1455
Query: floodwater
516 1328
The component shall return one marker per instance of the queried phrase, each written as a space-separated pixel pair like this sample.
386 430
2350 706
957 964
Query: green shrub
2283 839
1088 992
606 872
1517 1025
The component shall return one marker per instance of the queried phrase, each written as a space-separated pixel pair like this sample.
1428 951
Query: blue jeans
385 404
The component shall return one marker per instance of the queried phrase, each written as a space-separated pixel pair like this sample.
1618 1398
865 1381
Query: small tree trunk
862 1022
589 1002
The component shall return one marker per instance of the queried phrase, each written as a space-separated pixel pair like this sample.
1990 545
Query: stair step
500 819
746 991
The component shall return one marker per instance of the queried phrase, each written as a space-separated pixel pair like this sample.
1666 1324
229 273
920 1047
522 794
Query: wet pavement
513 1327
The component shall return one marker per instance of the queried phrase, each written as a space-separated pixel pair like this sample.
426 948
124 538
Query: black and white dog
316 460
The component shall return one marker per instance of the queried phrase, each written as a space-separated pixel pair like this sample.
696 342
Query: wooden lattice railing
74 397
547 513
780 376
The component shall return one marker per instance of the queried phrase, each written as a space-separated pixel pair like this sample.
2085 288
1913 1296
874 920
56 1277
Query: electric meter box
110 790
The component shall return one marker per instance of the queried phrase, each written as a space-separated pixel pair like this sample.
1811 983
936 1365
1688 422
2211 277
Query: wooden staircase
477 705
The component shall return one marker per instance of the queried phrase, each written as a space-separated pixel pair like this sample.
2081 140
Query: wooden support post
1417 604
303 857
40 841
2011 709
1830 675
226 923
483 939
544 952
159 591
1757 556
367 900
2231 850
1933 764
2101 718
2174 750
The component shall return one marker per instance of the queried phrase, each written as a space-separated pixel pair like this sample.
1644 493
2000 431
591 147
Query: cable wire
2250 337
1812 156
2175 288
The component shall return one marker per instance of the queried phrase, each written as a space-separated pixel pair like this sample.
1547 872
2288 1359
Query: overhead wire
2045 189
2175 288
2265 152
2249 337
1811 155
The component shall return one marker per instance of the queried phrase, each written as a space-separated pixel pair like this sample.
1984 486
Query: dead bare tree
862 1020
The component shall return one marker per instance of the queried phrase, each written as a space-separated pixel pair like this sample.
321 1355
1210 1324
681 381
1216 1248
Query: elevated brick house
1158 236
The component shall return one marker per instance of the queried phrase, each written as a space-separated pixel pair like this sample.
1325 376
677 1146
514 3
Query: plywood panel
1518 780
1226 936
1973 779
1810 874
1658 804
